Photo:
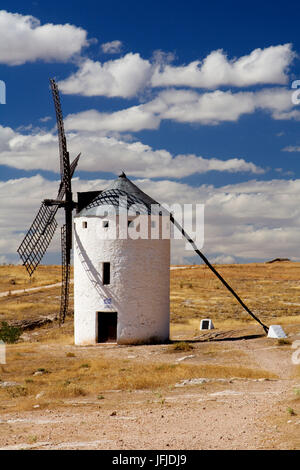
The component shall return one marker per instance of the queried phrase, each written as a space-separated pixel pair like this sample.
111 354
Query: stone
276 331
185 357
8 384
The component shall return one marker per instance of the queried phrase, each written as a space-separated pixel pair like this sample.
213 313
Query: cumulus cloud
123 77
132 119
292 148
24 39
257 220
109 154
214 107
113 47
130 74
184 106
261 66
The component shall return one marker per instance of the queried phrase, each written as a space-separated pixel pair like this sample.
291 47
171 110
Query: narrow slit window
105 224
106 273
84 224
130 223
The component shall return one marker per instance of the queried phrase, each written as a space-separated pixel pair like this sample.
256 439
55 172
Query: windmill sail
38 238
63 152
40 234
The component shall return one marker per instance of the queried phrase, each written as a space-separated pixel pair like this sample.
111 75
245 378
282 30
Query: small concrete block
206 324
276 331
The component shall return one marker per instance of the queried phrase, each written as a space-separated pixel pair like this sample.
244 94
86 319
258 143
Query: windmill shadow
92 273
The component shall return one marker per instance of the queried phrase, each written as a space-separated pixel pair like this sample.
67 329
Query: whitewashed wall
139 287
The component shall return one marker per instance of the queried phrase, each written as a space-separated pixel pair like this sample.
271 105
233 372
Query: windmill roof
120 188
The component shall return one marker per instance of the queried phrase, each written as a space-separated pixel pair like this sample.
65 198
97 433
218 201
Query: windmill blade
65 287
38 238
62 189
176 224
63 152
40 234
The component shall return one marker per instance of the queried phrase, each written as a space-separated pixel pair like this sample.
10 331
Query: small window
106 273
105 224
153 224
84 224
130 223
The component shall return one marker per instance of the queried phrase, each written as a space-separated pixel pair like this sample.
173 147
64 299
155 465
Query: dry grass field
56 395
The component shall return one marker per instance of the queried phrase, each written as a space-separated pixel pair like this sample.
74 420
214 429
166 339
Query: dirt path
218 414
31 289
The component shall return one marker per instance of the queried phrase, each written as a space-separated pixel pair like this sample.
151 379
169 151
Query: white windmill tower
121 282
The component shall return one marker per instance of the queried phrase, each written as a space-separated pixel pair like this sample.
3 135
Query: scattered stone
114 413
224 393
185 357
199 381
8 384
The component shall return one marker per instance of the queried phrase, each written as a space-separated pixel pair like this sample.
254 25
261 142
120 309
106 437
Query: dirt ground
239 391
220 413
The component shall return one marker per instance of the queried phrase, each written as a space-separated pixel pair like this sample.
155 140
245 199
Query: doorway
107 327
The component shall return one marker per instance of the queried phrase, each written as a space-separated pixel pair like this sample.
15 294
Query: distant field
270 290
16 277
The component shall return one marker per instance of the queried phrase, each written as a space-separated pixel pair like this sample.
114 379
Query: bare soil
239 390
228 413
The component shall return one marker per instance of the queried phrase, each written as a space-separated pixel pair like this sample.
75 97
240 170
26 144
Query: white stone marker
276 331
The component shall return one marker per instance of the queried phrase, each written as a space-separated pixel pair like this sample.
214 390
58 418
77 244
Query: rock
8 384
185 357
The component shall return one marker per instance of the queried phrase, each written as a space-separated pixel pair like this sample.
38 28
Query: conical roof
120 188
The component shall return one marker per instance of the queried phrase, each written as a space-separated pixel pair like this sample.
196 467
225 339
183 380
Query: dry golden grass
16 277
270 291
62 376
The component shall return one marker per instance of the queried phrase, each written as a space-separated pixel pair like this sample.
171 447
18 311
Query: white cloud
110 154
123 77
46 119
214 107
113 47
251 220
130 74
292 148
183 106
24 39
223 259
132 119
261 66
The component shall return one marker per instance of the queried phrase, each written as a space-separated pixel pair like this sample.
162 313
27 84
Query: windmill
94 290
41 232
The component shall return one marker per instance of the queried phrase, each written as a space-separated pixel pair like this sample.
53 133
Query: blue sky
191 99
